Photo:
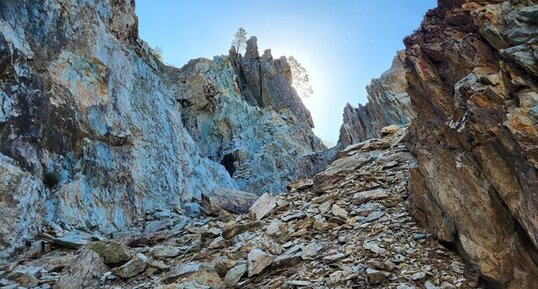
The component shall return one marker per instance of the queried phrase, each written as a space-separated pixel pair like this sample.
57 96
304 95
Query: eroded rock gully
346 228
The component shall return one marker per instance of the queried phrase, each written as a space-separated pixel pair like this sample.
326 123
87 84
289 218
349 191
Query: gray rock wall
93 132
262 145
388 104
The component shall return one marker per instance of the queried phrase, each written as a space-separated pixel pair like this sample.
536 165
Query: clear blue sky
342 43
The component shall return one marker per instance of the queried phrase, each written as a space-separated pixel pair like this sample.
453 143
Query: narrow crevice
228 161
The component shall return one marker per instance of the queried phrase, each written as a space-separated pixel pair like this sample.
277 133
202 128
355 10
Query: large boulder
112 252
84 272
233 201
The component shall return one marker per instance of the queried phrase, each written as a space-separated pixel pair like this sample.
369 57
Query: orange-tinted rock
472 83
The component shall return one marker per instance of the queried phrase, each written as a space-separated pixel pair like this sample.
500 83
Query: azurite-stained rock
22 198
388 104
97 131
471 73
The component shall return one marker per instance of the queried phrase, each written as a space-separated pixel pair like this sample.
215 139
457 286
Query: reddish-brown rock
472 80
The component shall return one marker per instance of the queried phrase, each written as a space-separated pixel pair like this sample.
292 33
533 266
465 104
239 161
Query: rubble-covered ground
347 228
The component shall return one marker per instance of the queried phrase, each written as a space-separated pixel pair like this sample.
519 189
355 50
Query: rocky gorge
118 171
346 228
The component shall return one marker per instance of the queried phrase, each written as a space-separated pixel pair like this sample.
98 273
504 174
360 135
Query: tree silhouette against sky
240 39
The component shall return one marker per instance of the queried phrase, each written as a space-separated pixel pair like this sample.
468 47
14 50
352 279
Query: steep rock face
388 103
91 128
267 83
90 137
472 78
262 146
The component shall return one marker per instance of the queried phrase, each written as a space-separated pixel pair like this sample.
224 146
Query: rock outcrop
95 131
388 104
243 113
472 72
267 82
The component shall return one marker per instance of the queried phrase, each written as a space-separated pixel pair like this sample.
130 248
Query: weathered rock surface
235 107
26 276
314 238
21 208
229 200
266 82
83 272
87 126
95 131
112 252
263 206
388 104
258 260
135 266
74 239
470 73
472 78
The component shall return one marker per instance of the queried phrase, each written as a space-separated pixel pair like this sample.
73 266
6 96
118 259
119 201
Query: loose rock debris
346 228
